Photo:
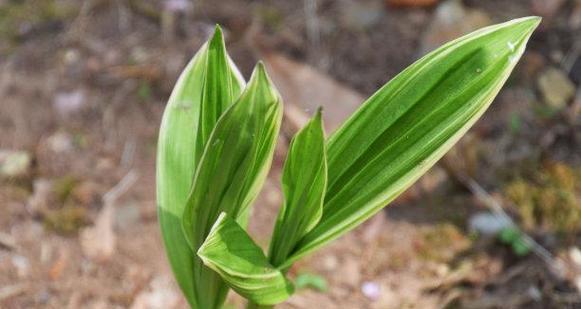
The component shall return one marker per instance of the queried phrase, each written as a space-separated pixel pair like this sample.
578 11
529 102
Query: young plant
217 139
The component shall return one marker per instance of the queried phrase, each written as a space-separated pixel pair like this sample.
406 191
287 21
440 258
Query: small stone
177 5
534 293
575 256
22 265
487 224
60 142
68 103
330 262
14 163
546 8
371 290
555 87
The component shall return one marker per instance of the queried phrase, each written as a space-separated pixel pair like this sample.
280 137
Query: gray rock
487 224
555 87
69 103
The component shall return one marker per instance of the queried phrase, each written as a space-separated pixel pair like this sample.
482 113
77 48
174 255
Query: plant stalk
252 305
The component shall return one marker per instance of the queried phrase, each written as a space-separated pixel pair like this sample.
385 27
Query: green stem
252 305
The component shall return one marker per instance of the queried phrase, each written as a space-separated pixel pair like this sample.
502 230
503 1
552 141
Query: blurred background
496 224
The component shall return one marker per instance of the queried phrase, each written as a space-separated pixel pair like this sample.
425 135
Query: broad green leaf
180 138
408 125
233 167
304 183
229 251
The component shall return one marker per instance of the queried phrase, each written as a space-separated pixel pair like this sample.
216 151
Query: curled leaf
229 251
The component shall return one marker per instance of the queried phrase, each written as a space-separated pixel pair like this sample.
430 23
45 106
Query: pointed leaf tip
409 124
304 182
205 89
260 72
217 39
319 112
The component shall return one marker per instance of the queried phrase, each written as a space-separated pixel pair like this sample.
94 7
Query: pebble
371 290
60 142
330 262
14 163
556 88
575 255
534 293
68 103
22 265
487 224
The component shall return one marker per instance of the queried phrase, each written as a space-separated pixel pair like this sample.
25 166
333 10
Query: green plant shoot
217 140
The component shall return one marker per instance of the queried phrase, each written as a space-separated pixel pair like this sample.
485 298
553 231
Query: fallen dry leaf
98 241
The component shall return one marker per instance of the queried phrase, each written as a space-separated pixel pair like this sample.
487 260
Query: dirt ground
83 85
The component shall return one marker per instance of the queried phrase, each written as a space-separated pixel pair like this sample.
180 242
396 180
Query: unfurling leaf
229 251
304 183
180 145
217 141
233 167
404 128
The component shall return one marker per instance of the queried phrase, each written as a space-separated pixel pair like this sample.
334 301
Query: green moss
18 14
442 242
66 220
550 199
63 188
